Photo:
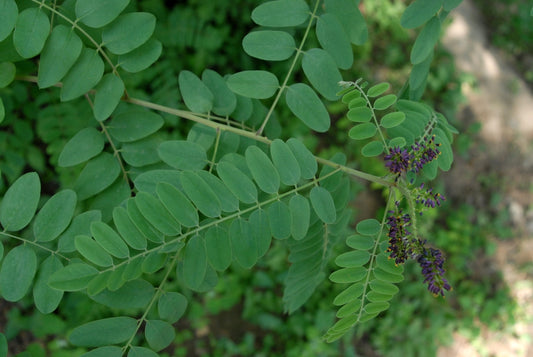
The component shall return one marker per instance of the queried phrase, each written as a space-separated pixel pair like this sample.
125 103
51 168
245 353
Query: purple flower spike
398 242
431 262
397 160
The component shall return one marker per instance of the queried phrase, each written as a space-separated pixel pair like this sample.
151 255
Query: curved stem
291 69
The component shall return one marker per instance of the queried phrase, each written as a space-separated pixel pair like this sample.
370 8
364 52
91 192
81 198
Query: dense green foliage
139 186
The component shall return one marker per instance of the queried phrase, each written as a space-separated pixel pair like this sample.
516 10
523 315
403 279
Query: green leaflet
321 70
99 173
305 158
352 259
194 262
183 155
350 18
142 57
135 294
263 171
373 148
393 119
159 334
31 31
128 32
51 67
260 230
111 197
73 277
92 251
368 227
86 144
378 89
362 131
237 182
98 13
279 217
348 275
201 194
3 345
116 279
360 114
109 240
177 204
300 216
136 351
269 45
80 225
20 202
449 5
17 272
171 306
228 201
83 76
2 111
155 212
243 109
8 17
285 162
426 40
253 84
134 124
142 224
419 12
54 217
224 100
334 40
362 242
147 181
307 106
197 97
103 332
281 13
323 205
142 152
243 245
108 94
384 102
105 351
218 247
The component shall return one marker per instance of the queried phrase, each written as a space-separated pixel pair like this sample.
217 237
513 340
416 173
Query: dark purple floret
431 262
428 198
398 242
397 160
422 153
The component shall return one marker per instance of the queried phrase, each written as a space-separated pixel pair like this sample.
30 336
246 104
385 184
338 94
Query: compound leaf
20 202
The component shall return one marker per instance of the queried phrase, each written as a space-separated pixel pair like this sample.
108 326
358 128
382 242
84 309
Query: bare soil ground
500 100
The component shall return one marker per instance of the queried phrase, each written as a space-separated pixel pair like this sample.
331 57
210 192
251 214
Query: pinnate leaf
17 272
307 107
20 202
